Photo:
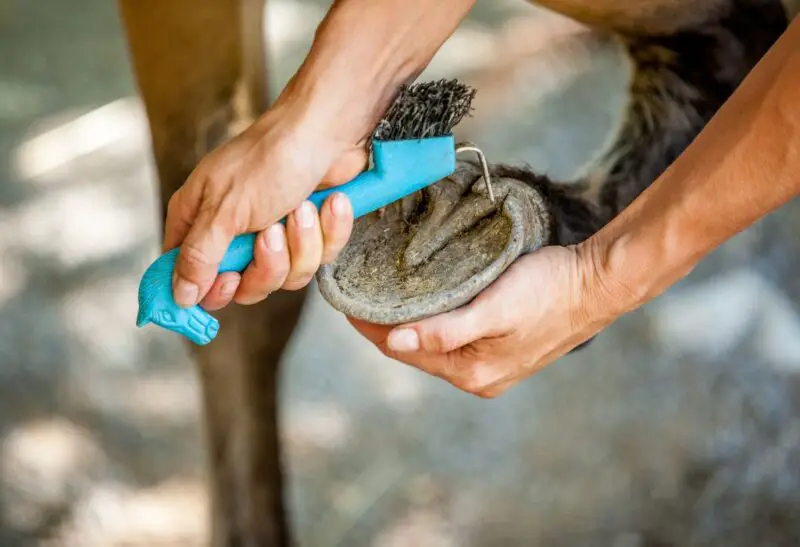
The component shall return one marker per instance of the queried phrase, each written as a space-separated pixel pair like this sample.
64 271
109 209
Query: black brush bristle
428 109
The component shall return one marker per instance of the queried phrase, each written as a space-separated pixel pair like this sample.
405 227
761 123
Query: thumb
199 258
439 334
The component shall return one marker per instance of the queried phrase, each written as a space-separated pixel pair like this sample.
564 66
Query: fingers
215 205
200 255
287 257
336 220
520 324
270 267
451 346
440 334
221 292
192 278
304 235
181 210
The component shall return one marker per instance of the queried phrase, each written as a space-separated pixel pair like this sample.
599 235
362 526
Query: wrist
603 295
739 168
639 255
362 53
347 82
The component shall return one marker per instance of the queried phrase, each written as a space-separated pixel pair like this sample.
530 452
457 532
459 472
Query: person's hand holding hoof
542 307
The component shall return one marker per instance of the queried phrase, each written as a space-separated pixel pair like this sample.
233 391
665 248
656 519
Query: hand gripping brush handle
401 166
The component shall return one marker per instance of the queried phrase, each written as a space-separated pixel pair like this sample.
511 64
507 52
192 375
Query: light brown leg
200 70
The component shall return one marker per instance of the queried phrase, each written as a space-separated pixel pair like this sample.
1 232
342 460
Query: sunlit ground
680 417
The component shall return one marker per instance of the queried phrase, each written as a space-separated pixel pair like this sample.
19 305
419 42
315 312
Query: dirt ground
678 426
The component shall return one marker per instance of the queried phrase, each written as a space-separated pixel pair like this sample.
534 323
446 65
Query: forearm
362 52
745 164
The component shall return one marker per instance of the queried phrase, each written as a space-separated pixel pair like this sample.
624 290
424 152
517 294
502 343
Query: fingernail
403 340
185 293
229 288
275 238
305 214
340 205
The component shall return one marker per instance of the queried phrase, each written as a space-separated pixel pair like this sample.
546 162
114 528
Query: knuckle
297 283
273 274
303 269
278 279
441 340
271 284
473 385
193 258
235 207
222 213
491 393
478 379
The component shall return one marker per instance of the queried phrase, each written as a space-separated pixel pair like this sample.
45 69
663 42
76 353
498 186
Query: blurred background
678 426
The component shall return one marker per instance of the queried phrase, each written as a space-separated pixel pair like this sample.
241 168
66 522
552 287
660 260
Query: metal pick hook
469 147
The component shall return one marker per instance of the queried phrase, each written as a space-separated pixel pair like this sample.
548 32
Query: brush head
429 109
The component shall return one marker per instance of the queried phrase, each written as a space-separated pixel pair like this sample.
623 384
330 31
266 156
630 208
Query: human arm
742 166
313 134
745 164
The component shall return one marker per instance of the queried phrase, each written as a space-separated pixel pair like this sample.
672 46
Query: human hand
542 307
245 186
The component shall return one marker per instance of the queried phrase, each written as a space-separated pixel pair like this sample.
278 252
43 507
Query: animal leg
199 67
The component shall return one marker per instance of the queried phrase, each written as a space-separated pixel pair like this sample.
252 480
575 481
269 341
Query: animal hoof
435 250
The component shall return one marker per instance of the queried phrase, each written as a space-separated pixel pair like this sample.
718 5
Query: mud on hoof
436 250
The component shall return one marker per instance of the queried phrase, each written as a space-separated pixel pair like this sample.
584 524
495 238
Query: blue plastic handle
400 168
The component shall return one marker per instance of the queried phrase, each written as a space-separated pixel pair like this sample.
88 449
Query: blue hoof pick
400 168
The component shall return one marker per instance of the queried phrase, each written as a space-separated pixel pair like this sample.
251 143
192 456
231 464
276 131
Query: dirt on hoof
435 250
